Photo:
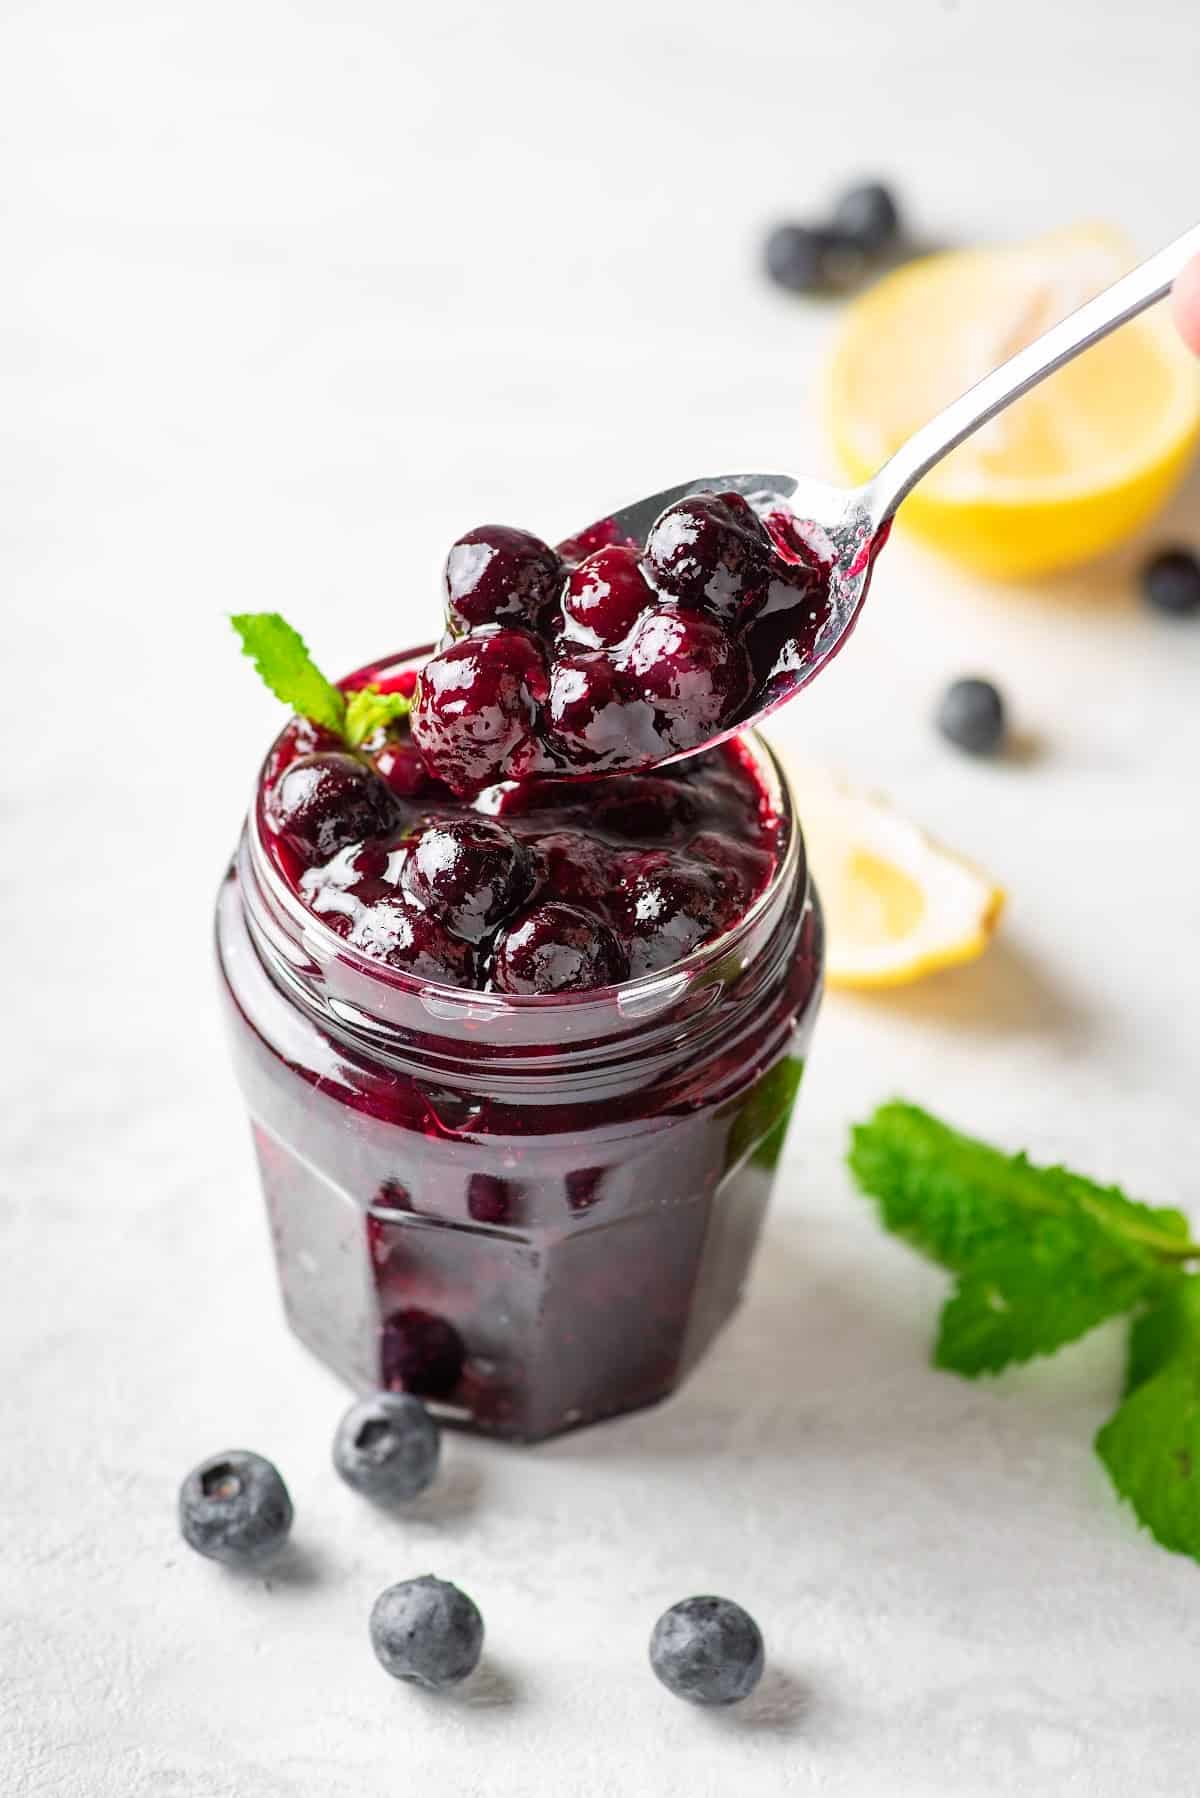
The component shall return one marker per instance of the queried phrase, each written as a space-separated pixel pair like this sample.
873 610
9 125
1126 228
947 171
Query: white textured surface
292 294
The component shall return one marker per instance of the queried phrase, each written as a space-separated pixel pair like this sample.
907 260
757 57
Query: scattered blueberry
1171 582
387 1446
427 1631
708 1650
971 714
234 1507
803 258
868 217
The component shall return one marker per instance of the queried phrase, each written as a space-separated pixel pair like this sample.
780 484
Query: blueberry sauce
533 886
607 654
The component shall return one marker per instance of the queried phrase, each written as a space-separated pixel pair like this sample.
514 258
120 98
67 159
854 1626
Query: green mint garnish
1040 1256
369 710
281 656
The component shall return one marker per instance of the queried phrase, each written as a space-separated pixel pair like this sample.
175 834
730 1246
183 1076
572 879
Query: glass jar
534 1212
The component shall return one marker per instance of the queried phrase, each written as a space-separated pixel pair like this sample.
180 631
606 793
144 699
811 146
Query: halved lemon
1069 470
897 904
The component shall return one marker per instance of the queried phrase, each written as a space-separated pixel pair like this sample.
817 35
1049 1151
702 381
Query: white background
291 295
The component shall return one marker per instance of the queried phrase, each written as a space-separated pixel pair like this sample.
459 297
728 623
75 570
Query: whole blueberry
470 872
971 714
387 1446
498 575
427 1631
556 948
1171 582
708 1650
323 802
867 216
802 258
234 1507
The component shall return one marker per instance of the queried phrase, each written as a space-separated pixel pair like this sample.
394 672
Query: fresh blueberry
803 258
557 949
235 1508
426 1631
1171 582
387 1446
708 1650
868 217
323 802
971 714
469 872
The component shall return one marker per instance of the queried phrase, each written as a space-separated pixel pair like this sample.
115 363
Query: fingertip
1186 303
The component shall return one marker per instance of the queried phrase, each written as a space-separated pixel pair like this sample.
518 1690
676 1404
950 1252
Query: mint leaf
1169 1328
1151 1448
369 710
1031 1296
761 1125
956 1199
282 659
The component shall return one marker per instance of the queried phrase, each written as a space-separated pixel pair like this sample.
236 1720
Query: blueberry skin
1171 582
801 258
426 1631
970 714
235 1508
387 1447
708 1650
868 217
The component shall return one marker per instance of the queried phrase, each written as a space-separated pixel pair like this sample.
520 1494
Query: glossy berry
803 258
557 948
1171 582
867 217
426 1631
605 595
476 705
420 1352
498 575
596 713
405 936
574 867
708 1650
471 873
399 765
325 801
691 672
711 553
235 1508
387 1447
971 715
669 905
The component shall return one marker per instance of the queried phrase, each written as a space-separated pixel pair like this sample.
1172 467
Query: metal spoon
849 525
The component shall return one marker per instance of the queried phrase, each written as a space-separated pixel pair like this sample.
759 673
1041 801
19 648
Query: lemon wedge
1066 472
897 904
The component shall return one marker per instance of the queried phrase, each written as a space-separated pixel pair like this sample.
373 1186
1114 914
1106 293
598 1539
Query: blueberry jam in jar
518 1066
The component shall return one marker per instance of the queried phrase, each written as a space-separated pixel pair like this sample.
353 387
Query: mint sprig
1040 1256
281 656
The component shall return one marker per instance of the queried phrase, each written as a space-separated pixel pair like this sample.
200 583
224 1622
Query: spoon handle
1115 306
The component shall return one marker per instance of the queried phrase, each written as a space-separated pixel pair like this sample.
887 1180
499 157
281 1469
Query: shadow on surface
298 1567
453 1496
781 1705
1005 993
